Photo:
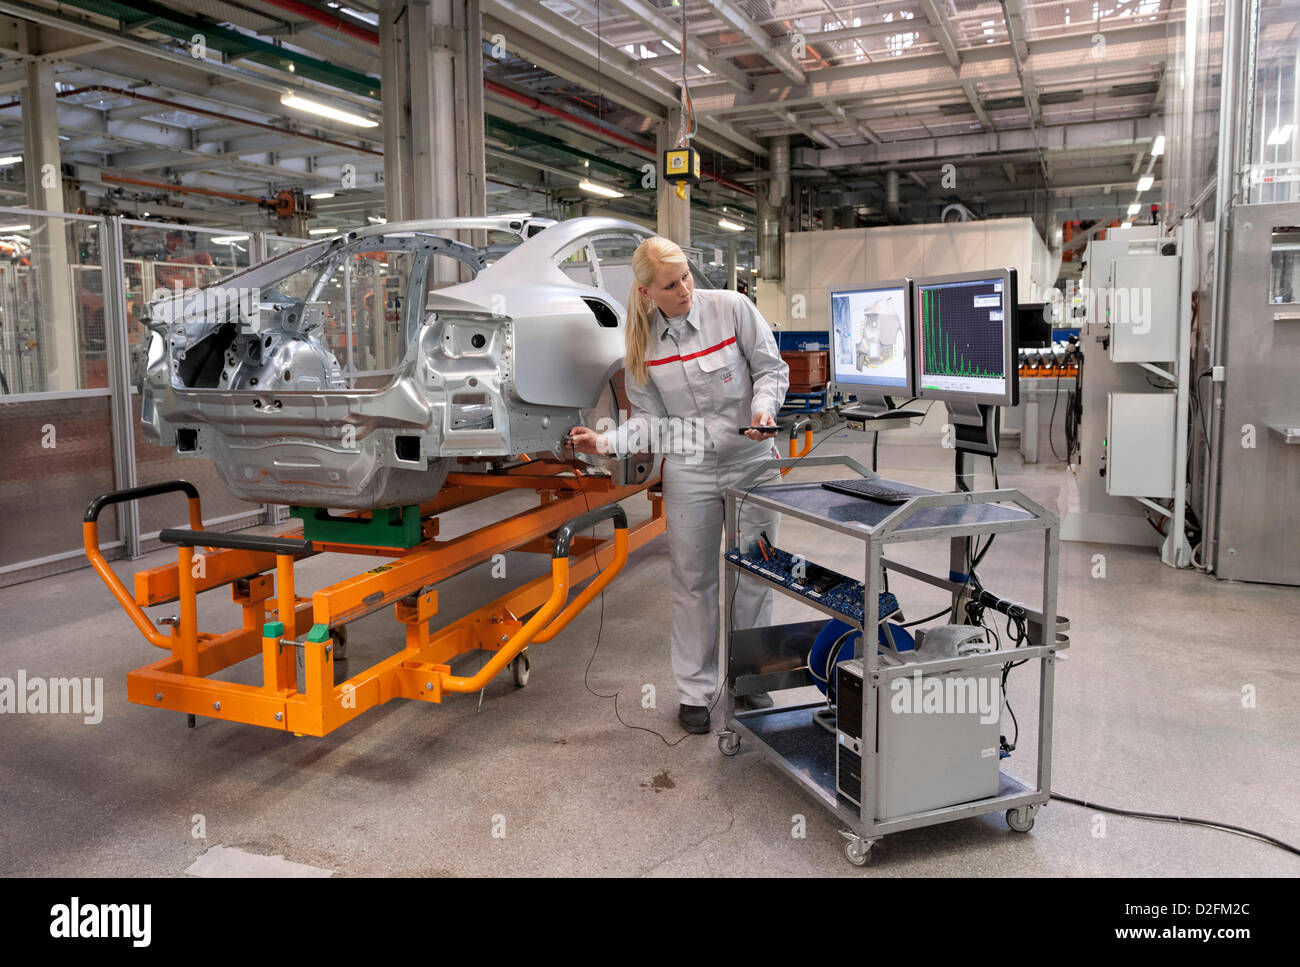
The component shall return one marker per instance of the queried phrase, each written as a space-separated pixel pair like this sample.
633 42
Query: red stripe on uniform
702 352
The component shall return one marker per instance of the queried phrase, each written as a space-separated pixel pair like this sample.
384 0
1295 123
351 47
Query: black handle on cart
564 536
137 493
241 542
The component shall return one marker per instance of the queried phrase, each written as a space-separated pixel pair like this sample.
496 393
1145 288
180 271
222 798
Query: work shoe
757 700
694 718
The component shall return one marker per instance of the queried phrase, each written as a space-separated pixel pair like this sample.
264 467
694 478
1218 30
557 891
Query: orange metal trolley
277 621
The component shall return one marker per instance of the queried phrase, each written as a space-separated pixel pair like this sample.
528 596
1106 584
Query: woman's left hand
760 419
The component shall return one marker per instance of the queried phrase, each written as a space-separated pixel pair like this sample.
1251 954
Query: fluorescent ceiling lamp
227 239
11 159
322 194
1134 208
14 228
703 68
755 271
730 226
1277 136
325 111
675 50
376 220
1145 182
1127 225
604 191
1158 148
322 231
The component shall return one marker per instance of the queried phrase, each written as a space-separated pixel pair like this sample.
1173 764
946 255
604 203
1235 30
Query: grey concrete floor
1149 715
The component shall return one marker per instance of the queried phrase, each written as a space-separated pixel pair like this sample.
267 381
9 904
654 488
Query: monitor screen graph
963 336
869 337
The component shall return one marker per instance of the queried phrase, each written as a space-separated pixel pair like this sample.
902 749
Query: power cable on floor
1184 820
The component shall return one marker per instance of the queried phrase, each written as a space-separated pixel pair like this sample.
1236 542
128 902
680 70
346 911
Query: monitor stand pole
975 431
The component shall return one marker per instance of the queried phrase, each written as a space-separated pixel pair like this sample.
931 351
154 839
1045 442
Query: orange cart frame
276 621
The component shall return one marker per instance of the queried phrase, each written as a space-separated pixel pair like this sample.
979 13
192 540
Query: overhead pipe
326 19
891 197
538 105
770 209
283 204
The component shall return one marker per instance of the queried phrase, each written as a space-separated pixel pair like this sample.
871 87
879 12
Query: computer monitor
1034 327
964 333
871 334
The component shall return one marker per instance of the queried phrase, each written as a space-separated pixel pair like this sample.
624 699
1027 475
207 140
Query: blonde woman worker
706 360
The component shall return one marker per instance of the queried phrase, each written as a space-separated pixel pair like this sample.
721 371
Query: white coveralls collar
692 317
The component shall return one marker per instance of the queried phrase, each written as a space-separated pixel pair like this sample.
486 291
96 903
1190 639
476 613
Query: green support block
319 633
273 629
386 527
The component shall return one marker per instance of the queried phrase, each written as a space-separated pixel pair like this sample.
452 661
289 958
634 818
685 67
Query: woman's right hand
583 440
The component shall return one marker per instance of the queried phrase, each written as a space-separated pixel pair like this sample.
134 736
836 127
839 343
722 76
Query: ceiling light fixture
325 111
604 191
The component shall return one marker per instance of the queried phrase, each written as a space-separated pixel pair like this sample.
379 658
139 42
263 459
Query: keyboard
886 491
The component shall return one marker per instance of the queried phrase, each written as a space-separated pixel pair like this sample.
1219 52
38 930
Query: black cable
921 621
1184 820
1074 412
586 674
1051 425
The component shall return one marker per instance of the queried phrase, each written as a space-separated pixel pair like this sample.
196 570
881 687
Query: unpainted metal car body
301 388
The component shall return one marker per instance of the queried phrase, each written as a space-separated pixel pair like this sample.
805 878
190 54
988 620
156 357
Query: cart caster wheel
728 743
521 666
1021 820
340 637
857 851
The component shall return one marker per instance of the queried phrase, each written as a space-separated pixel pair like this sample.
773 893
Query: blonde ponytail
646 260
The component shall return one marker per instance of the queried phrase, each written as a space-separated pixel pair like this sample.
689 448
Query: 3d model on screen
880 328
354 371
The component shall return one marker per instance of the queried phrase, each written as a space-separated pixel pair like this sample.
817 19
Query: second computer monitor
870 341
965 332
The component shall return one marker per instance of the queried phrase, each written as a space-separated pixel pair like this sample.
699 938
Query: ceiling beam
760 39
1088 137
652 18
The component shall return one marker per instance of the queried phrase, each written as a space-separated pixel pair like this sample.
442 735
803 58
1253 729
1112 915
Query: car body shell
500 365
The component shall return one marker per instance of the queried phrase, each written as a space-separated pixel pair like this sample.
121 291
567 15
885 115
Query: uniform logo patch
727 375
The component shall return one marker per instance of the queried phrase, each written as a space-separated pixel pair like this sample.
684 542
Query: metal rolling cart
775 657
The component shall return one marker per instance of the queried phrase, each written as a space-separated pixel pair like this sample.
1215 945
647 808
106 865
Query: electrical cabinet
1140 444
1142 309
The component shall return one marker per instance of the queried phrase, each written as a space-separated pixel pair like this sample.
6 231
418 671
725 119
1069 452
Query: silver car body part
243 373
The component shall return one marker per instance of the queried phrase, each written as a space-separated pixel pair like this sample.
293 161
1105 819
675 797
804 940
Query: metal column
122 419
433 113
50 263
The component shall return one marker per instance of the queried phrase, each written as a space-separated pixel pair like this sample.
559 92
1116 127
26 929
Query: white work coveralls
718 366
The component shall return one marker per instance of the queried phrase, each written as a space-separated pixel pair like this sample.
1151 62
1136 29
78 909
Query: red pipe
545 108
331 20
189 189
536 105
